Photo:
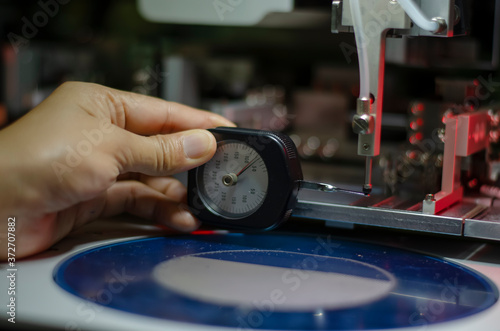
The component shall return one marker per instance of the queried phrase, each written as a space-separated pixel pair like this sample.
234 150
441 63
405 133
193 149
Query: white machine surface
41 303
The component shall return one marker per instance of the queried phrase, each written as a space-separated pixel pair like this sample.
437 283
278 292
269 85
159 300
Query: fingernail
196 145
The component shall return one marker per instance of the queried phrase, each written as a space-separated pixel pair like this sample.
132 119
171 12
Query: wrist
16 192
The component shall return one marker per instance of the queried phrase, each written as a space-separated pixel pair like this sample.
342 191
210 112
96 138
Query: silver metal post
367 187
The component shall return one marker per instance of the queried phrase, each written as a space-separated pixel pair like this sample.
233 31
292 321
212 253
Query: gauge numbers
234 182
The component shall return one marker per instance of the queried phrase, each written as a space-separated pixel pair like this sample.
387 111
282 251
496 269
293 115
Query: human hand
89 151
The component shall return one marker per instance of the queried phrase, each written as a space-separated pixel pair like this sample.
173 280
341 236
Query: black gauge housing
280 157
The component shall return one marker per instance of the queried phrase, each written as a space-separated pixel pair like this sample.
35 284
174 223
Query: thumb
164 155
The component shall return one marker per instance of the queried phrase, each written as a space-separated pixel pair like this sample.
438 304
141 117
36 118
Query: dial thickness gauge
234 182
251 182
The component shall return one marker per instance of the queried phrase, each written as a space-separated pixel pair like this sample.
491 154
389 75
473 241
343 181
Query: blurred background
283 72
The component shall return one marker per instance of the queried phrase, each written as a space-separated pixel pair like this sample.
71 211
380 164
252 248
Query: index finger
146 115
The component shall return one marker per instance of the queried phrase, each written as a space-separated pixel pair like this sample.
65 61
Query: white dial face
234 182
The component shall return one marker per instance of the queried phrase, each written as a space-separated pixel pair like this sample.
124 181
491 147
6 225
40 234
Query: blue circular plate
275 281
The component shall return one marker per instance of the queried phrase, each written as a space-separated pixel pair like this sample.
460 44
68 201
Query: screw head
442 26
430 197
366 147
363 124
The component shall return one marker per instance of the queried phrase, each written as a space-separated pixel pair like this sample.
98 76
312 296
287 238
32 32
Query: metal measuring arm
383 18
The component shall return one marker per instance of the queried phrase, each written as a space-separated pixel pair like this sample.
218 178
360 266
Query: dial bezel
284 174
205 196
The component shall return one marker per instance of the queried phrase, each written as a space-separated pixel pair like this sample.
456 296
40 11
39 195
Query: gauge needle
231 178
247 166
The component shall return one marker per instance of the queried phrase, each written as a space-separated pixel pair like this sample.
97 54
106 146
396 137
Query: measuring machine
251 182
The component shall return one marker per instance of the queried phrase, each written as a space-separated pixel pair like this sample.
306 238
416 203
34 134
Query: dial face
233 184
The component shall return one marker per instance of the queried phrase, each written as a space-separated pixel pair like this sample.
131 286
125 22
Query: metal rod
367 187
304 184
